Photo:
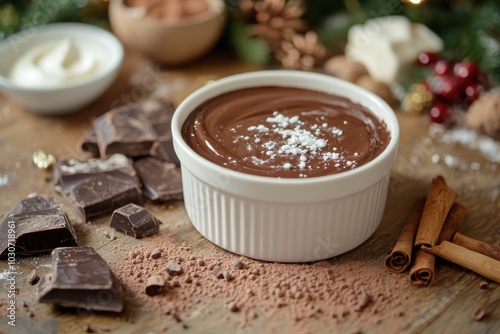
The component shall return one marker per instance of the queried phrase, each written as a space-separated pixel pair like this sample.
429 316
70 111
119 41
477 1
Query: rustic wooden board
446 307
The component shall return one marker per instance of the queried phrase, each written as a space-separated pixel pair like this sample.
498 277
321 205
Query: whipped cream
56 64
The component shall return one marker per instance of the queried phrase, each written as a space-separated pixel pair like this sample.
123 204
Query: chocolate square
161 181
38 225
81 278
96 187
134 220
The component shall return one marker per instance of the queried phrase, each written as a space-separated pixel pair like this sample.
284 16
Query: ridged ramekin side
283 232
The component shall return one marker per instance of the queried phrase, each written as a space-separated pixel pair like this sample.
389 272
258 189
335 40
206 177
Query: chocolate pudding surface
285 132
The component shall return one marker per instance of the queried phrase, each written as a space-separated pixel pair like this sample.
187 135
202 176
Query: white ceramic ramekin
278 219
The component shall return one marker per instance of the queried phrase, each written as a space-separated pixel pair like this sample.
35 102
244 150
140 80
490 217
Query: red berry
427 58
442 68
472 92
466 71
440 113
446 88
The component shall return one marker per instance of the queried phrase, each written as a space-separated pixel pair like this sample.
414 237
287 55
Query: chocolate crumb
238 264
479 314
156 254
233 307
173 268
217 272
33 278
155 285
483 285
365 299
227 276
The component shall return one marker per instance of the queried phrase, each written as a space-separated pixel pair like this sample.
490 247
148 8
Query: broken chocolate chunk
217 272
81 278
238 264
96 187
160 114
134 220
124 130
173 268
32 277
155 285
161 181
37 225
137 129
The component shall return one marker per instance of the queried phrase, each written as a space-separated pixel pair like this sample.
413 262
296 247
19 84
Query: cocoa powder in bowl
171 10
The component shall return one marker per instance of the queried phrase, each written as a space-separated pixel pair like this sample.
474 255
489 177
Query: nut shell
484 115
378 87
345 68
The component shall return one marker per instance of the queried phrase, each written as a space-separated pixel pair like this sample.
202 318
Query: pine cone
302 52
273 20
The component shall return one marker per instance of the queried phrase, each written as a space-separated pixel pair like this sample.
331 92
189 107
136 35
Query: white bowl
283 219
71 97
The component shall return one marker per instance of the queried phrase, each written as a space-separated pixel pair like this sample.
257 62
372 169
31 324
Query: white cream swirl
55 64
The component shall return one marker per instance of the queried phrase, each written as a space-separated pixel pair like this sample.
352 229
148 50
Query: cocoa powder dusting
340 291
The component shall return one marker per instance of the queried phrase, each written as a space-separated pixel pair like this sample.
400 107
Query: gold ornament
417 100
43 160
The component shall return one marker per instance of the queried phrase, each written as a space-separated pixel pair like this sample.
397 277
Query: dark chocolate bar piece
96 187
135 130
39 225
82 279
160 115
134 220
124 130
161 181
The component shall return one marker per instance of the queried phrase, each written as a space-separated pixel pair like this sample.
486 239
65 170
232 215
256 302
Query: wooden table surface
447 306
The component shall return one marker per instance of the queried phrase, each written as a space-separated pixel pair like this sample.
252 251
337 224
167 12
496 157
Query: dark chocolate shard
155 285
124 130
161 181
160 113
39 225
134 220
96 187
81 279
135 130
173 268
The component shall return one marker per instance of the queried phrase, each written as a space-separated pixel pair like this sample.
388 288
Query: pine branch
251 49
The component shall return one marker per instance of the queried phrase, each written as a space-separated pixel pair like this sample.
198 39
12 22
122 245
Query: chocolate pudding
285 132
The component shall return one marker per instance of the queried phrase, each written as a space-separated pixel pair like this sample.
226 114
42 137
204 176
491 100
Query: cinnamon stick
439 201
400 257
422 271
478 263
477 246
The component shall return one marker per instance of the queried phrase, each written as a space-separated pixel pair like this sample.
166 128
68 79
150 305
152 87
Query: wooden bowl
170 42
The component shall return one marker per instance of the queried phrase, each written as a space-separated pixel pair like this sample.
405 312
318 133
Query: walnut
345 68
484 115
378 87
